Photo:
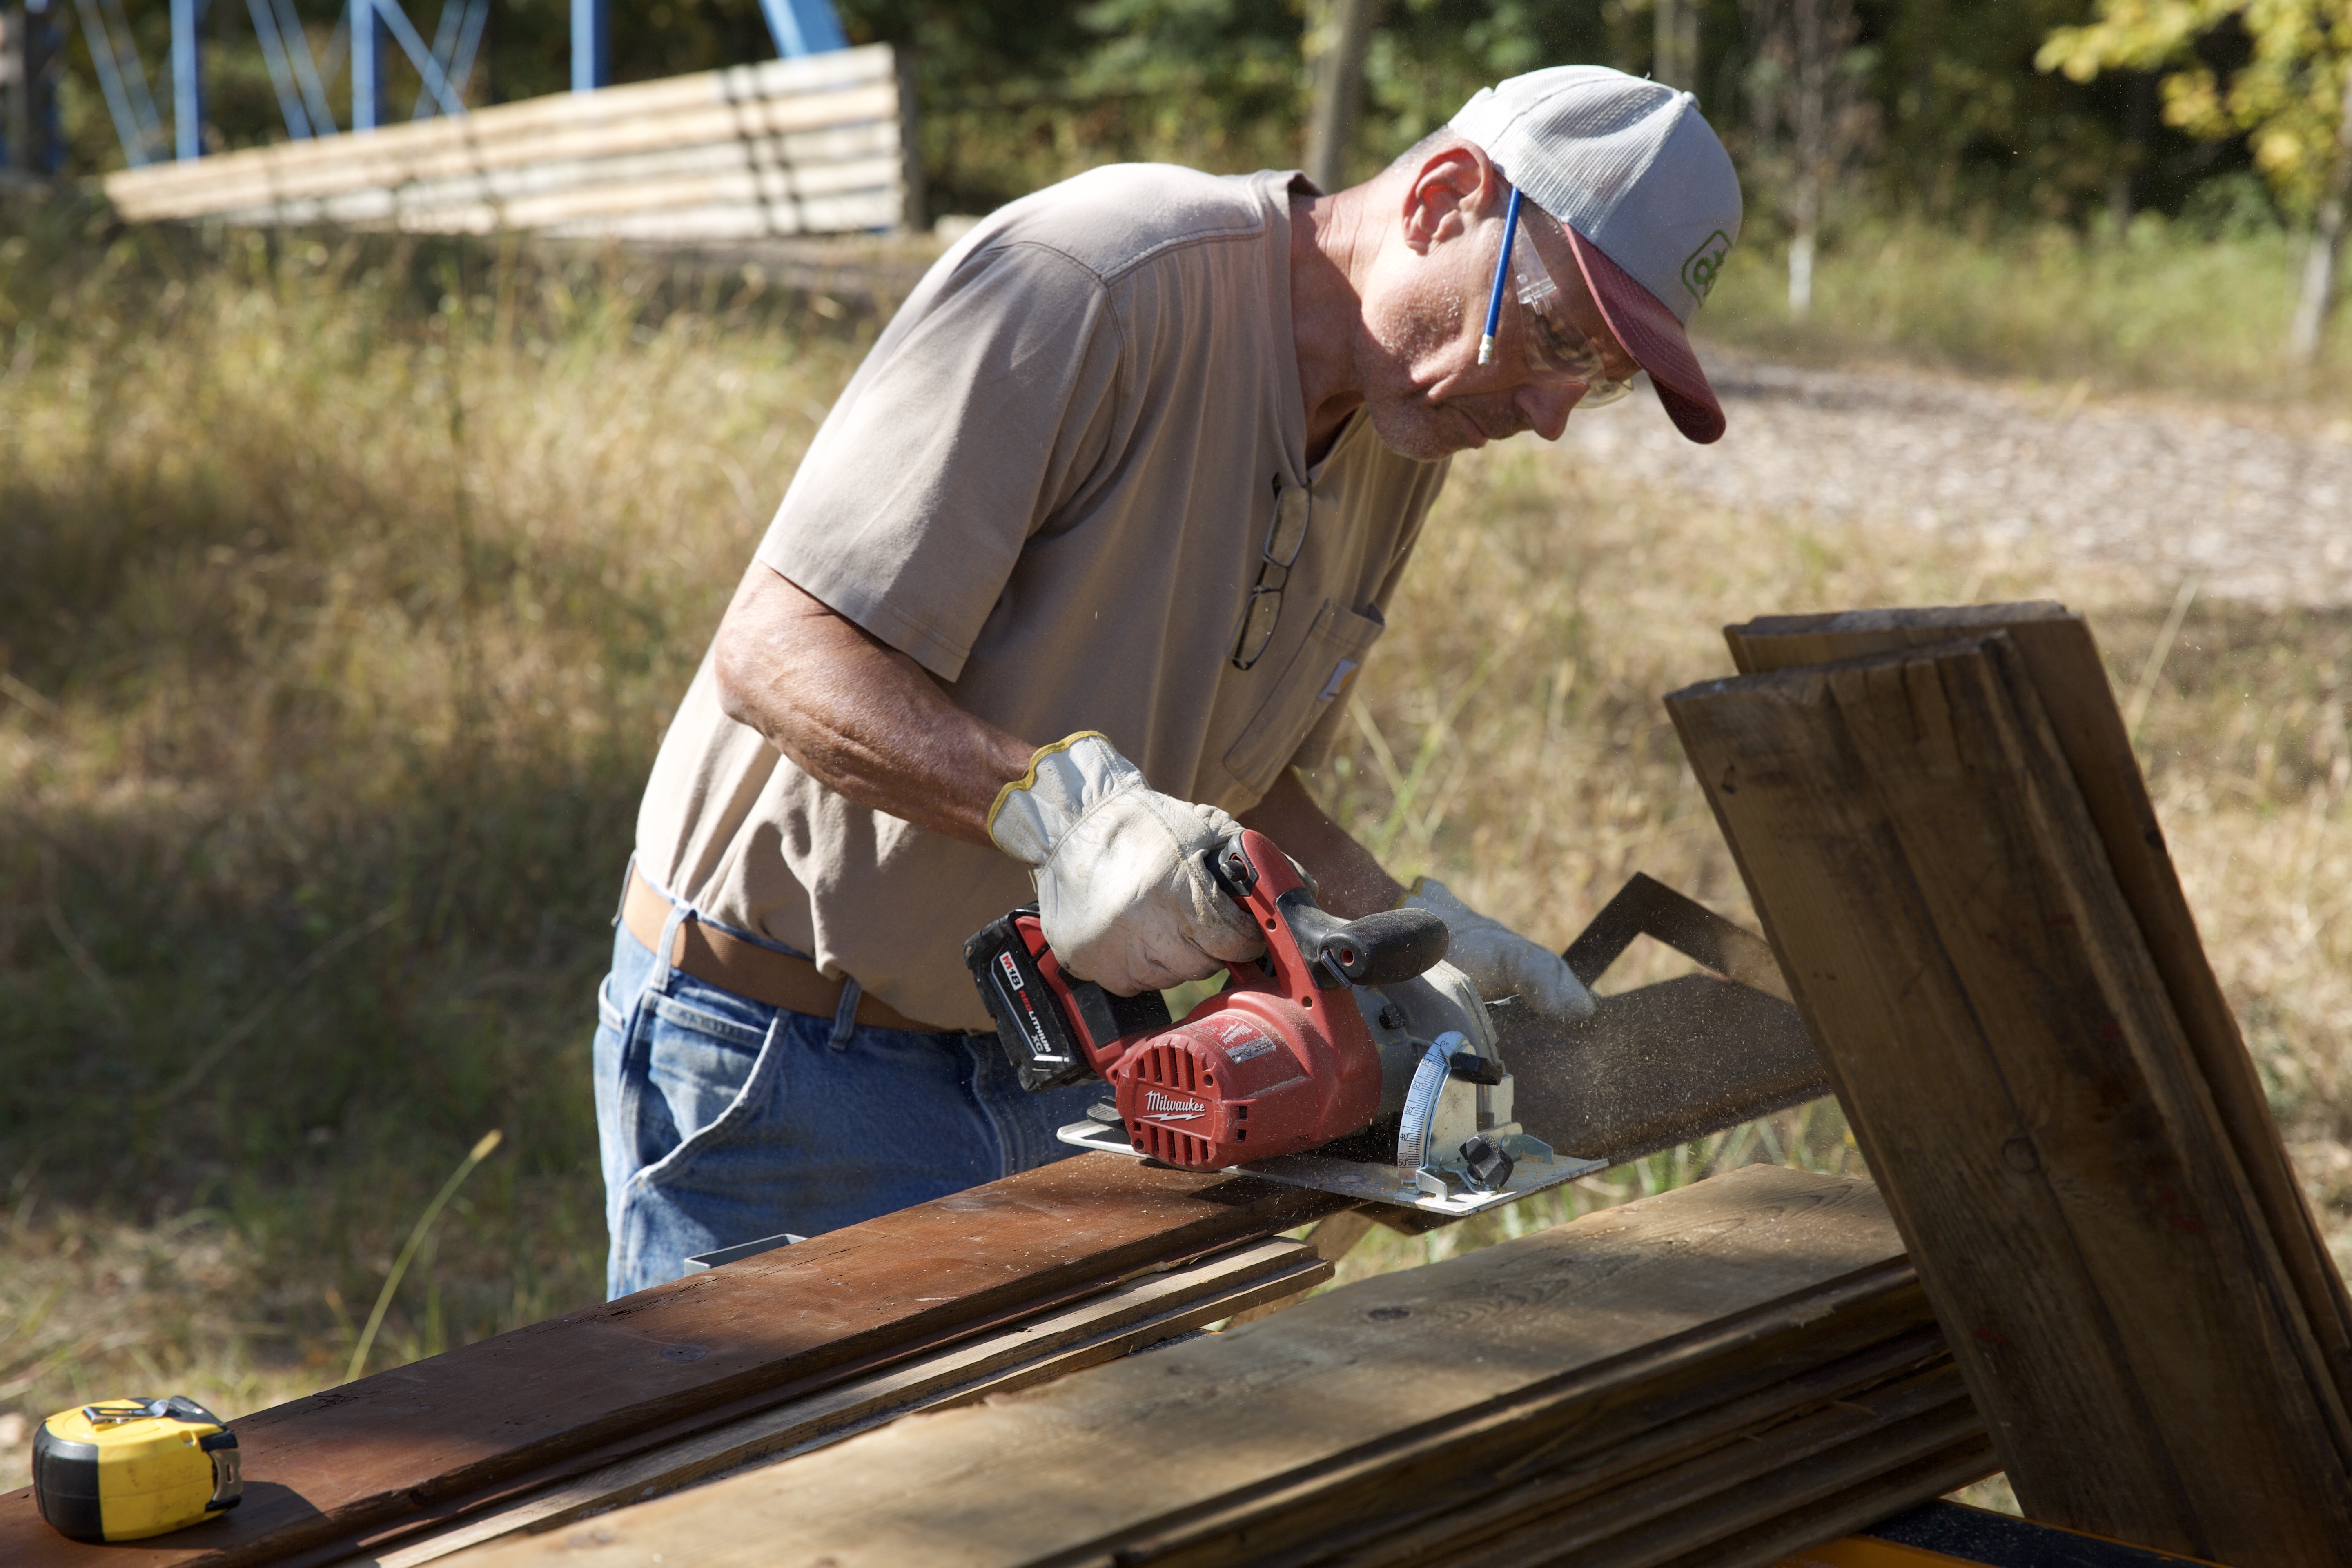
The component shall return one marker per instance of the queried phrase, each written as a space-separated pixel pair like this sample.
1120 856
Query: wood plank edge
803 1426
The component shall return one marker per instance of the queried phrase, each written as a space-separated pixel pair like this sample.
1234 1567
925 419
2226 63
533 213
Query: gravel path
2259 511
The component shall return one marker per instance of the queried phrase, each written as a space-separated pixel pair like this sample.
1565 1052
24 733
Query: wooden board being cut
440 1445
1946 913
589 1387
1406 1389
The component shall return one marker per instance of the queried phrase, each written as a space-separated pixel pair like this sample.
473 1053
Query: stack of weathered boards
1941 821
1717 1374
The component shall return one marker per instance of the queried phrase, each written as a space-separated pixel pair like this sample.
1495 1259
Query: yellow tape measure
131 1467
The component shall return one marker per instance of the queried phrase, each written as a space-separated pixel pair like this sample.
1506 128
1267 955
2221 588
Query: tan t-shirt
1050 484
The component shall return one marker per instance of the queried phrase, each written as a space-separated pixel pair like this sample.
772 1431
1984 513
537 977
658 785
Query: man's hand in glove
1121 893
1499 962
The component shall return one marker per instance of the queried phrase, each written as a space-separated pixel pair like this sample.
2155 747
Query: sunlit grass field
347 587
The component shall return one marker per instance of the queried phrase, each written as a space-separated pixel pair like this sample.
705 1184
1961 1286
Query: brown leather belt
748 969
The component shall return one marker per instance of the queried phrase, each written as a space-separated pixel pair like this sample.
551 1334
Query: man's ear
1455 188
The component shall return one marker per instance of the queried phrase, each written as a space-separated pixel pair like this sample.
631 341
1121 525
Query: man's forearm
859 716
1351 881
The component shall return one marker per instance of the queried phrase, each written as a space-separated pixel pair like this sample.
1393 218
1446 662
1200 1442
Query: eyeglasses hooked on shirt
1285 536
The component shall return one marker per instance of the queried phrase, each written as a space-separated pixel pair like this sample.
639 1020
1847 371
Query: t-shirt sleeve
974 422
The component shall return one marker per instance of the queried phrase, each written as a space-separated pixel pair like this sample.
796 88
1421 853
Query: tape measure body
128 1468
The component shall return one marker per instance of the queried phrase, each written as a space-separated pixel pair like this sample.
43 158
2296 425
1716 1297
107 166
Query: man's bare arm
857 715
1351 881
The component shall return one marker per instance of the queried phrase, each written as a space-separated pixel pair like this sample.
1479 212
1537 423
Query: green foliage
2288 98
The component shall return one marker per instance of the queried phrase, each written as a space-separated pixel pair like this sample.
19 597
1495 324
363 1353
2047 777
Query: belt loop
844 1016
665 970
621 904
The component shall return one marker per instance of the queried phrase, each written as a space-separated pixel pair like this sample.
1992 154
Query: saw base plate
1379 1184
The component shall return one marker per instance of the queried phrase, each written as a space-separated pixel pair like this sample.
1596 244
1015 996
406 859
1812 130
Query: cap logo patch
1699 271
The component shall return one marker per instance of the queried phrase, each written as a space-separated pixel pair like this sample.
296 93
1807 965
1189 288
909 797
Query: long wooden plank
1588 1317
1941 899
1829 1513
1101 1329
2063 660
1543 1483
1731 1488
362 1457
843 158
1683 1389
704 221
736 222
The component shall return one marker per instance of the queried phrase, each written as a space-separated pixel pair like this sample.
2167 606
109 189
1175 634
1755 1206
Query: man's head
1629 206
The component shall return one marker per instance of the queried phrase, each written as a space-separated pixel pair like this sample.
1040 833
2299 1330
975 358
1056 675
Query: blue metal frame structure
187 81
128 101
299 78
803 27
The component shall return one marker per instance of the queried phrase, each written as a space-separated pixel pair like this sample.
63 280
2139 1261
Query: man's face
1425 309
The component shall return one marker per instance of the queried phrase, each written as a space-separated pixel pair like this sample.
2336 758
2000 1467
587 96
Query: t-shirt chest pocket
1317 678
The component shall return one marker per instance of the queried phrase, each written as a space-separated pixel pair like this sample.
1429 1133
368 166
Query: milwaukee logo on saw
1168 1107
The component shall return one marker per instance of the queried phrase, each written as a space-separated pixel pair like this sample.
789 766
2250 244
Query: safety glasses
1284 538
1556 349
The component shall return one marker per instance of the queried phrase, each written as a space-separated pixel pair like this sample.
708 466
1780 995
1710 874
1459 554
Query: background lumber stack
1718 1374
813 145
1940 821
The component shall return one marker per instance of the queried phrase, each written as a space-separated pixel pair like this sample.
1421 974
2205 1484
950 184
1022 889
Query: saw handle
1379 949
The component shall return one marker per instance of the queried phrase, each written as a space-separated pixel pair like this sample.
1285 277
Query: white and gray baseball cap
1648 197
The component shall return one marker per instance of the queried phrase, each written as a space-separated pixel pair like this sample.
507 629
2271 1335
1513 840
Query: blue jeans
723 1120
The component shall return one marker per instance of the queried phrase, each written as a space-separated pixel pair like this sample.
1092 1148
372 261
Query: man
1072 579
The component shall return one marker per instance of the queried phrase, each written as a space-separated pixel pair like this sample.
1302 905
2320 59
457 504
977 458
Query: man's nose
1546 407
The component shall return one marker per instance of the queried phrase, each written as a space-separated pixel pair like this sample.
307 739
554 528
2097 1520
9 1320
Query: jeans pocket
718 1076
610 1013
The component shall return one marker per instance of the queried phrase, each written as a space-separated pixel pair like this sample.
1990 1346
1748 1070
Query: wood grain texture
1915 842
1833 1513
444 1434
1144 1312
1731 1488
2061 659
1554 1487
1570 1337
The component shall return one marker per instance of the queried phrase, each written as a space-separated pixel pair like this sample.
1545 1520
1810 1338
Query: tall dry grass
347 589
2194 308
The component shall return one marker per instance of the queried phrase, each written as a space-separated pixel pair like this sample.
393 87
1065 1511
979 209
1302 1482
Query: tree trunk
1800 263
2318 302
1674 54
2140 109
1339 83
15 85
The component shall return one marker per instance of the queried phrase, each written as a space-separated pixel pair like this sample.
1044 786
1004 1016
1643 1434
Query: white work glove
1500 962
1121 893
